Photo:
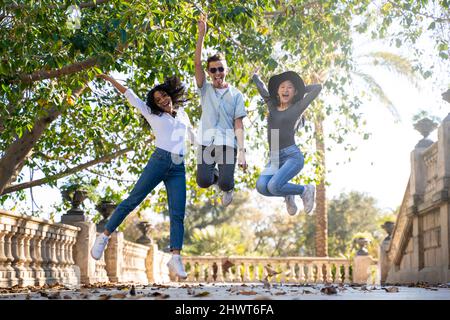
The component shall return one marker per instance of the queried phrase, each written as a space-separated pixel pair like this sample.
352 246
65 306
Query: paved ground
176 291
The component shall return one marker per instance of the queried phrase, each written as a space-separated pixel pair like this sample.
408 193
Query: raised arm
261 86
132 98
113 81
199 72
312 91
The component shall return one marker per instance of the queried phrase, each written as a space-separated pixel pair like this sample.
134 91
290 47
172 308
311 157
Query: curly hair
174 88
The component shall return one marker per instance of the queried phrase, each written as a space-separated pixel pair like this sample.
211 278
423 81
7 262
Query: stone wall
420 246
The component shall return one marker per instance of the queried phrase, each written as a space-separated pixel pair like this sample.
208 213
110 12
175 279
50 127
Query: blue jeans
169 168
282 167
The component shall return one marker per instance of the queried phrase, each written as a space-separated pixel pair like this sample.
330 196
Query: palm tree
385 60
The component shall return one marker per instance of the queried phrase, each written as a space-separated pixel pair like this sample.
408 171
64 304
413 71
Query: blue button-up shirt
218 114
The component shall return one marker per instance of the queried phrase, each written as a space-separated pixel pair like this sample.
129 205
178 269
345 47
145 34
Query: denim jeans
225 158
168 168
282 167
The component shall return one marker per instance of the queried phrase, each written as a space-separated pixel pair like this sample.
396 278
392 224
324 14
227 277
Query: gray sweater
284 123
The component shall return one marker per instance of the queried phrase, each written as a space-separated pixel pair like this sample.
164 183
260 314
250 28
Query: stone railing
419 247
134 262
35 251
257 269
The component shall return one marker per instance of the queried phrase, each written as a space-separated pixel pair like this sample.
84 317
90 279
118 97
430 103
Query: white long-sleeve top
171 133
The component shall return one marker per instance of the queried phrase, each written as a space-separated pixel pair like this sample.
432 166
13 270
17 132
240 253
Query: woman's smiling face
163 101
286 92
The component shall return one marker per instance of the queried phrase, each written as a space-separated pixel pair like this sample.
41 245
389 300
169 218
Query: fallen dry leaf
329 290
307 292
159 295
190 291
119 295
247 293
104 297
55 296
202 294
391 289
280 293
66 297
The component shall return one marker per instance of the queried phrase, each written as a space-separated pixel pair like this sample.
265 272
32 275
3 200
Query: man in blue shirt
221 132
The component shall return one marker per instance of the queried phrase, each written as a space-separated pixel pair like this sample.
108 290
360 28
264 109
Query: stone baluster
53 261
247 276
36 255
58 255
337 276
191 273
28 277
219 271
282 267
45 251
7 273
320 278
293 276
329 275
17 246
311 276
211 271
64 262
239 274
301 273
33 256
347 273
12 274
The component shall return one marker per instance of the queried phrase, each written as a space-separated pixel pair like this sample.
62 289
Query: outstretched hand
202 24
256 70
242 162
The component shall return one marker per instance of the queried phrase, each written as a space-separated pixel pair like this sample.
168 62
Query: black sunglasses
214 70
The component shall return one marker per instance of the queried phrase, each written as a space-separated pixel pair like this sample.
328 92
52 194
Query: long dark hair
174 88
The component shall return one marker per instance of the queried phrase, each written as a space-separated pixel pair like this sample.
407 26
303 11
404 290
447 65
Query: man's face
218 70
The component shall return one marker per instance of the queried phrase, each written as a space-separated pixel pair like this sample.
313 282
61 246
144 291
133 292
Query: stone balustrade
35 251
134 262
257 269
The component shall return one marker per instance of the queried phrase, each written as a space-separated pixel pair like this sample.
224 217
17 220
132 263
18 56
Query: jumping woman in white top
171 127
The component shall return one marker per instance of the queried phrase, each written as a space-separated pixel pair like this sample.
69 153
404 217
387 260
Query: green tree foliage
407 22
58 120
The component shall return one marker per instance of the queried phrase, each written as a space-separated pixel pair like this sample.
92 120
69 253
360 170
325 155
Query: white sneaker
227 197
176 267
308 197
290 204
99 246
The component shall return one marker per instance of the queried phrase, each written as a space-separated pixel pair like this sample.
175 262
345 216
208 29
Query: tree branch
48 74
435 19
70 69
82 5
65 173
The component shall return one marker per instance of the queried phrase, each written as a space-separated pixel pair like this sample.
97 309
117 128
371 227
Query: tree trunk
18 151
321 208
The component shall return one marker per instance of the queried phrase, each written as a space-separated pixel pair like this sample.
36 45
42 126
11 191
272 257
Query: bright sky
381 165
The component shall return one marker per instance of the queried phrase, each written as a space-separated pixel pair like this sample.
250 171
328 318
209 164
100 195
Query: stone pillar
149 263
114 257
82 256
418 170
383 258
417 188
361 271
443 192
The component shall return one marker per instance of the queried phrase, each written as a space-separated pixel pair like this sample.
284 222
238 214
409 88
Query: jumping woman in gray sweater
286 101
